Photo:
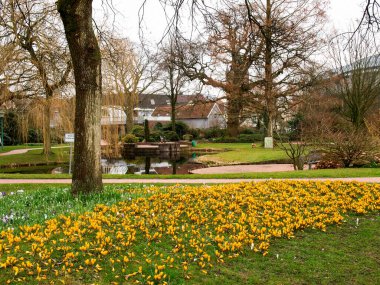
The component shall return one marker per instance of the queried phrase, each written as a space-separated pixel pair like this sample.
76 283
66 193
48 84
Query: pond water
182 164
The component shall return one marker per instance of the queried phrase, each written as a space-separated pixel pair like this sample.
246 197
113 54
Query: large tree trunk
46 127
77 20
233 115
269 125
172 116
269 100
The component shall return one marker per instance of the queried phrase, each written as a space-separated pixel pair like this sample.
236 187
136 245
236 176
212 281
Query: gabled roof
152 101
190 111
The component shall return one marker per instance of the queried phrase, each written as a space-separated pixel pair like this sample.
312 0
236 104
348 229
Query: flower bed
169 233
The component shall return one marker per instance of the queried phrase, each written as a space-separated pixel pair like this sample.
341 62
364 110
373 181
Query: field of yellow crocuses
172 232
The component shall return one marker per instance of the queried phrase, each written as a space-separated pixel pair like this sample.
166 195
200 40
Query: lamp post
2 128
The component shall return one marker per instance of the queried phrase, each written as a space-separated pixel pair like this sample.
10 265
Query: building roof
190 111
152 101
368 63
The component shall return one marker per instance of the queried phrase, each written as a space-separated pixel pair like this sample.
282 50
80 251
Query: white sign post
69 138
268 142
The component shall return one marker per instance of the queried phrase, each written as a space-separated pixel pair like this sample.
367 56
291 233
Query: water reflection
136 165
150 165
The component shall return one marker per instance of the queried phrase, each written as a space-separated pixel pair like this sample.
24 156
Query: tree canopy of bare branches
291 38
224 59
356 77
260 53
172 77
127 72
41 65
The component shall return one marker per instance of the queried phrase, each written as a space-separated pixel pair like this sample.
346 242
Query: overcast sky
342 14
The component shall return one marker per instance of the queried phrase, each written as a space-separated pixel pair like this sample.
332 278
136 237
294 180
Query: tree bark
46 127
269 125
233 114
129 113
172 115
270 101
84 49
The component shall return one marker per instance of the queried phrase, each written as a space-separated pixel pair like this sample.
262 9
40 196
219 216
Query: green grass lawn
319 173
345 254
239 153
33 157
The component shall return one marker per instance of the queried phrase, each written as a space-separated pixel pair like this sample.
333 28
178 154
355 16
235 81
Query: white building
198 116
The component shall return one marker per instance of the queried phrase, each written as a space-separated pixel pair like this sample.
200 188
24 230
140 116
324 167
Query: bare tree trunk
269 125
232 125
46 127
268 72
129 124
173 90
173 117
233 116
129 109
77 19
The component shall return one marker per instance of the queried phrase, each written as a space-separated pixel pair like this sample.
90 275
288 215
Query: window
152 102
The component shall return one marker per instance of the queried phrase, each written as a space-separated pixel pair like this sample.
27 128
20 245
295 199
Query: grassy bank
267 233
34 157
344 254
319 173
236 153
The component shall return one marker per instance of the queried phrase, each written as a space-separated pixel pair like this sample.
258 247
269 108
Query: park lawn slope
340 255
238 153
237 234
35 157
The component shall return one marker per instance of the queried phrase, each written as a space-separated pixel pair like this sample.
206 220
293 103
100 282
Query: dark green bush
138 131
242 138
155 136
7 140
187 137
282 137
258 137
130 138
181 128
226 140
250 138
194 132
35 136
158 127
214 133
247 131
12 133
295 126
171 136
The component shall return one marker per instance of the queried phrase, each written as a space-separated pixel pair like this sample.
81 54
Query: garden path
25 150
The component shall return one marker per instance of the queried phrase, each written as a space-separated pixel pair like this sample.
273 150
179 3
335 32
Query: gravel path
182 181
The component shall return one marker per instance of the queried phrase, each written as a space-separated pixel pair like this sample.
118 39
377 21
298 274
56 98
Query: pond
181 164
